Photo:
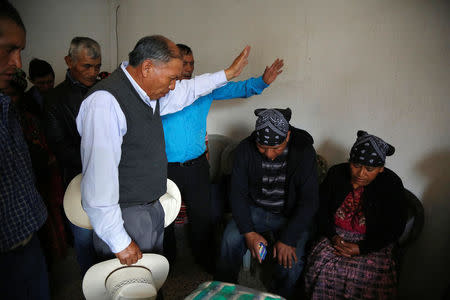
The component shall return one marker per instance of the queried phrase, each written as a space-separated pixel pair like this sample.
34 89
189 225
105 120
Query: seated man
273 188
362 213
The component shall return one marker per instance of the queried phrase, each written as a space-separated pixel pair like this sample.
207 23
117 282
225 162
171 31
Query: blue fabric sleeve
240 89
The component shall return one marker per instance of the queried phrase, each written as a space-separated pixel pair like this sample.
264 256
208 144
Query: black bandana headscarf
272 125
370 150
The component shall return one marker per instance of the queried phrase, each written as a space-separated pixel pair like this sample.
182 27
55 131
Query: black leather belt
188 163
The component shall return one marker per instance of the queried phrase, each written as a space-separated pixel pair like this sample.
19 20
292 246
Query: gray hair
155 48
80 42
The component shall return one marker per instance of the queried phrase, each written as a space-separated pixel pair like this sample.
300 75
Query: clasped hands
284 253
343 248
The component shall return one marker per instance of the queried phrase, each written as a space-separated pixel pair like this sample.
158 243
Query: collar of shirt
136 86
280 158
74 82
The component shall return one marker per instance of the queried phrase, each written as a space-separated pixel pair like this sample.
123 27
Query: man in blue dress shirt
184 134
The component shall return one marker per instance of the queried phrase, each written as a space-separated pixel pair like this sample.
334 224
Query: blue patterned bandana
370 150
272 126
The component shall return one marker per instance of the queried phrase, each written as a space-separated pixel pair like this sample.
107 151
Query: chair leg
246 261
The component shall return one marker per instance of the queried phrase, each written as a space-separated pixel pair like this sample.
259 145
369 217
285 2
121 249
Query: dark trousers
24 273
234 247
193 182
84 247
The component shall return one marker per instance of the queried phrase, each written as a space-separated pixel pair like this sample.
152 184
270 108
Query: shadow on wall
237 131
426 270
332 152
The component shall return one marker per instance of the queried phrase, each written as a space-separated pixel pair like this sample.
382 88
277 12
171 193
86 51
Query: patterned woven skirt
369 276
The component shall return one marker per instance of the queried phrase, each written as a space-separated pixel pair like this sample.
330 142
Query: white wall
383 66
51 25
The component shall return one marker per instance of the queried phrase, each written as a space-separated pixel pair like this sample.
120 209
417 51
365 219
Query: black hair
39 68
7 11
184 49
155 47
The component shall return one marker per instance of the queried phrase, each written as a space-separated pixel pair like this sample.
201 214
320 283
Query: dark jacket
63 104
30 104
301 185
383 204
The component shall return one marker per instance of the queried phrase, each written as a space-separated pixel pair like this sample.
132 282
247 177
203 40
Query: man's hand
252 239
238 64
271 73
130 255
285 254
343 248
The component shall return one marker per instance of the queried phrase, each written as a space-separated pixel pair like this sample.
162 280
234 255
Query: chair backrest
413 228
226 161
216 144
322 167
415 221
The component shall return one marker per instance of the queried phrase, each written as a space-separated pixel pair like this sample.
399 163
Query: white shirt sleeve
102 124
187 91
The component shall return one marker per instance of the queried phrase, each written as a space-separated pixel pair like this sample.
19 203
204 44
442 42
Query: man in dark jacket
63 104
273 189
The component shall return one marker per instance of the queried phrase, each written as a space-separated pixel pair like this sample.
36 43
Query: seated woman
362 214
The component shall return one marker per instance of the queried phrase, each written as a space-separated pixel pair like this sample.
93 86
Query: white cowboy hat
170 201
112 280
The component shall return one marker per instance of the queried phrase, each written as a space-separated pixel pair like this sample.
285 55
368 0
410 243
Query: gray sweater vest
143 164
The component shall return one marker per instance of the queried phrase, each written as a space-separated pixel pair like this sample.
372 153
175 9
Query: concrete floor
65 279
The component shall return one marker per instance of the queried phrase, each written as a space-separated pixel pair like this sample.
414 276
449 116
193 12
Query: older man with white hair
83 65
63 103
122 145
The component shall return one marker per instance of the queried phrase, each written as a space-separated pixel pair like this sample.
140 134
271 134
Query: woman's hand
343 248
